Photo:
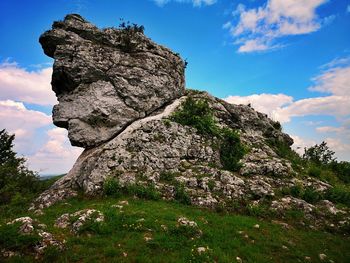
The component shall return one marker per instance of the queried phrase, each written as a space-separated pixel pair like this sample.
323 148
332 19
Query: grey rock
79 218
26 226
101 86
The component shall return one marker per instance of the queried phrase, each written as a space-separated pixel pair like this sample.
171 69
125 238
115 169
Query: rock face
106 79
118 92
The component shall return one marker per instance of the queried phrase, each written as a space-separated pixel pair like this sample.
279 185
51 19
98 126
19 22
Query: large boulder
105 79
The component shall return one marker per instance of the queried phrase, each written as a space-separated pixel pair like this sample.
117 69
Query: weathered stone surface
76 220
26 224
105 79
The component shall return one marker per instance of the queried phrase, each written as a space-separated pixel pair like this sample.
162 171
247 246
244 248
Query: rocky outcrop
118 102
106 79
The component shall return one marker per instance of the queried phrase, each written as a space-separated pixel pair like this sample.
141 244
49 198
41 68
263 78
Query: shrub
314 171
319 154
296 191
111 187
311 196
308 194
339 194
15 179
129 36
231 150
198 114
342 170
181 195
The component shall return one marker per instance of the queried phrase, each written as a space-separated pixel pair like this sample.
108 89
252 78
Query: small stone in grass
322 256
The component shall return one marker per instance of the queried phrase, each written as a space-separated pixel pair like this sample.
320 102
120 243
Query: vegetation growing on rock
198 114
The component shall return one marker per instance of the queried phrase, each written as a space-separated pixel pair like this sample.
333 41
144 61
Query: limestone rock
26 224
105 79
76 220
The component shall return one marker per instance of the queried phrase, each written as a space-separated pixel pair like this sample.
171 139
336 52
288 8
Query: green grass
124 232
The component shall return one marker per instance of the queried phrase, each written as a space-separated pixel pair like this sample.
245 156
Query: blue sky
288 58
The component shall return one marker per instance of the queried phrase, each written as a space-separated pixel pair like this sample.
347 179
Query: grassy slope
122 233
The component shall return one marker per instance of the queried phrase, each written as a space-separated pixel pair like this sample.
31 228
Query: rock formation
117 93
106 79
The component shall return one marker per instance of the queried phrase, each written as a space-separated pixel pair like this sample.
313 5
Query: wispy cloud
196 3
258 28
19 84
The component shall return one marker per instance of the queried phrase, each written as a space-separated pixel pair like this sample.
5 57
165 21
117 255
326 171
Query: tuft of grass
167 177
148 192
12 239
111 187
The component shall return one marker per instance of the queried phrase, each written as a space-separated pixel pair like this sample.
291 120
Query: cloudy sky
288 58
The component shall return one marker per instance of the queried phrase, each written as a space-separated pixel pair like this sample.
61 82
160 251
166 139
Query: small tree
15 178
319 154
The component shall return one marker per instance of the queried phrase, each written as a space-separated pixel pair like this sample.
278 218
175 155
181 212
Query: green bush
342 170
296 190
308 194
314 171
198 114
111 187
339 194
18 185
231 150
181 195
129 36
311 196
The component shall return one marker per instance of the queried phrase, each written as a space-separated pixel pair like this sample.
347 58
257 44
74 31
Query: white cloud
17 119
196 3
266 103
327 129
56 155
19 84
253 45
334 79
348 9
337 106
257 28
301 143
